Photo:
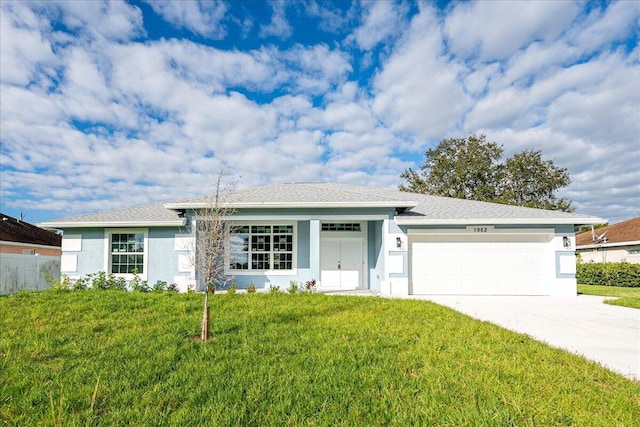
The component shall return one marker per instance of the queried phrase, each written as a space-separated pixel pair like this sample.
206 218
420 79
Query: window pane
260 261
261 243
260 229
127 251
239 243
239 261
283 243
282 229
240 229
282 261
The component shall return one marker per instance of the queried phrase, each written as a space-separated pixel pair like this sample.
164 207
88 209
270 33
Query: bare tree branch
210 229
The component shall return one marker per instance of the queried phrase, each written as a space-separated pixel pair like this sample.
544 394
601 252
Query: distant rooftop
625 231
14 230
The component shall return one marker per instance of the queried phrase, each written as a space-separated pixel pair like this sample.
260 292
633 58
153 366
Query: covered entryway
504 262
341 263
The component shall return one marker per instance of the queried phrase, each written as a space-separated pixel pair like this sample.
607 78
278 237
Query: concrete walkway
607 334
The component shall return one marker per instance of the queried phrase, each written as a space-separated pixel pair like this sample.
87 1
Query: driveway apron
607 334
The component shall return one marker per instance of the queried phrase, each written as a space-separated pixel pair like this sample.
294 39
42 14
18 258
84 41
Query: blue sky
112 104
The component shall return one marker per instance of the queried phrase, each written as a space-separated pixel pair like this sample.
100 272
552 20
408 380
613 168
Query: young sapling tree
211 234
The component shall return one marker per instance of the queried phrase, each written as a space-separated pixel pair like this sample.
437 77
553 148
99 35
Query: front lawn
626 297
113 358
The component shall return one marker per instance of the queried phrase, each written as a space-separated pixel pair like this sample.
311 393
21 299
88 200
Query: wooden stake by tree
211 233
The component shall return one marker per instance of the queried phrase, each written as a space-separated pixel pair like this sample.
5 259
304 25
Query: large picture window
127 253
261 247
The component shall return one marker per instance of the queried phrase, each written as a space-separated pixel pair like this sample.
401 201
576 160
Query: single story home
344 236
612 243
22 238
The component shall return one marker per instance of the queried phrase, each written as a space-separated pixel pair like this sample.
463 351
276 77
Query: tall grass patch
113 358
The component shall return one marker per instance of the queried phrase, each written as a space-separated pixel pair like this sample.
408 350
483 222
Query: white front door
341 263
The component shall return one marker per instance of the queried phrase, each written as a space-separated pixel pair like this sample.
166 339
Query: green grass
112 358
626 297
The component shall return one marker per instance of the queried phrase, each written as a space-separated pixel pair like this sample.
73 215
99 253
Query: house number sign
479 229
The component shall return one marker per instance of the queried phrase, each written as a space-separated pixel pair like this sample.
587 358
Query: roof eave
111 224
400 220
32 245
289 205
608 245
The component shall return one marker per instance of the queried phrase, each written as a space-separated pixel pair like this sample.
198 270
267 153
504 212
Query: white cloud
25 49
112 20
477 81
603 27
495 30
418 89
381 20
524 106
279 26
200 17
314 69
332 18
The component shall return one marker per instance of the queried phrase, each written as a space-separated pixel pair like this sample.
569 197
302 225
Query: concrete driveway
583 325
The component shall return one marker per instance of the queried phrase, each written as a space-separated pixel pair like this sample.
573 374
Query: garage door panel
491 265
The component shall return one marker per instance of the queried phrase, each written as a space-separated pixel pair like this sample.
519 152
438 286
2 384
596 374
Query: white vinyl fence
26 272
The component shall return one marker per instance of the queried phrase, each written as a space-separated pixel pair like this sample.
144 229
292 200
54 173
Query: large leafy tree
471 168
528 180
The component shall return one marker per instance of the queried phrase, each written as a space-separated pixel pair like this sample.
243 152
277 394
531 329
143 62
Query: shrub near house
609 274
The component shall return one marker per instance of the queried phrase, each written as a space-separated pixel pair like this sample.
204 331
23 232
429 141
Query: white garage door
498 264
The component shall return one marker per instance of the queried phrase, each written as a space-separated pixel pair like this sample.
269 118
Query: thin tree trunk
204 335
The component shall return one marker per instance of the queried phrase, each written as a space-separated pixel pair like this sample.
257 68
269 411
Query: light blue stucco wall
375 253
162 262
91 257
163 258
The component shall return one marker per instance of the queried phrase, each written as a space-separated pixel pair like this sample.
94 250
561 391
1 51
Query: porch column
314 248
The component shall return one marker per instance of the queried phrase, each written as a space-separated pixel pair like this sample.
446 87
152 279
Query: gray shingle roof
420 208
436 207
308 193
143 214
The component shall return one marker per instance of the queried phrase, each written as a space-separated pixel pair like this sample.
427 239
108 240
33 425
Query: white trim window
127 251
261 247
342 226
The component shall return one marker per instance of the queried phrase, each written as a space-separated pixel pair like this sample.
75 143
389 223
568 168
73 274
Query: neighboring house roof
620 234
14 230
411 208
